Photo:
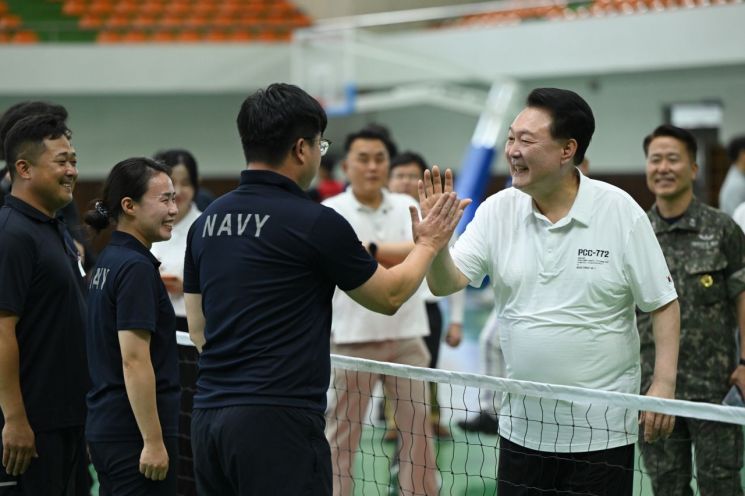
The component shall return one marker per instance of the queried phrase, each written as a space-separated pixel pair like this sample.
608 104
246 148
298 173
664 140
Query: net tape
679 408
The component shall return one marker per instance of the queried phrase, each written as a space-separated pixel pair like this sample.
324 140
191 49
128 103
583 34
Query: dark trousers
54 472
257 450
526 472
118 468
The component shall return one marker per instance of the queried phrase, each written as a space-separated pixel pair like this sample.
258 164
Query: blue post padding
472 180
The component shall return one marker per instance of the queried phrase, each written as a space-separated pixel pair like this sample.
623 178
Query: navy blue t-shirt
40 283
126 293
266 260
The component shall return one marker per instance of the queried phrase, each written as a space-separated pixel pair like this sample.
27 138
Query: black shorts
526 472
54 473
118 468
250 450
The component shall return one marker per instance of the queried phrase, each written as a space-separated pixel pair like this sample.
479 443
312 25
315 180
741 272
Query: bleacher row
169 21
114 21
562 11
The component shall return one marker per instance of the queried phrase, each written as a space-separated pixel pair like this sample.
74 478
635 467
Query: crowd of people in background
297 263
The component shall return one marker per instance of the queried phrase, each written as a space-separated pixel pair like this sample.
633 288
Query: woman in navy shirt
132 423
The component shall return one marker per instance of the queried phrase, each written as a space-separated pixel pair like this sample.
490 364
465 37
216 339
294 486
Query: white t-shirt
389 223
565 297
171 255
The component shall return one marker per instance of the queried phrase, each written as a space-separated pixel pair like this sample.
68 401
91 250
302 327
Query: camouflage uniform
705 251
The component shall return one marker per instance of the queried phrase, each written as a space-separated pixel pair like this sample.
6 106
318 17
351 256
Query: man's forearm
390 254
11 399
666 329
407 276
443 277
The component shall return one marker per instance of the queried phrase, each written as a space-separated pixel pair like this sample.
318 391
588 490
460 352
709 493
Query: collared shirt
705 251
40 283
389 223
565 295
126 293
171 255
266 260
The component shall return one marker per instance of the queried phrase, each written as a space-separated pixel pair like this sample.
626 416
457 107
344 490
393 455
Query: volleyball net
390 440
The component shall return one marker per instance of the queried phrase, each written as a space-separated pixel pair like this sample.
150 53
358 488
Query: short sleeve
471 252
645 268
191 273
341 255
17 262
137 297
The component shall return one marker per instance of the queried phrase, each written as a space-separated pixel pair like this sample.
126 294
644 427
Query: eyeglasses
324 144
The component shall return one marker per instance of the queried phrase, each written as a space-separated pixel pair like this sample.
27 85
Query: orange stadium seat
89 21
10 21
162 37
23 37
100 7
216 36
188 36
74 8
134 37
108 37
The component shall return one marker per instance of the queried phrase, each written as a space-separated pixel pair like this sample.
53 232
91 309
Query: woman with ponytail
132 423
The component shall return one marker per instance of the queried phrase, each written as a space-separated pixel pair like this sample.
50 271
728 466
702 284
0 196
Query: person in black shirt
132 423
261 266
43 377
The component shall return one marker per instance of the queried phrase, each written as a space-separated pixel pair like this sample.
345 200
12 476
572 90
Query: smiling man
705 251
569 258
43 375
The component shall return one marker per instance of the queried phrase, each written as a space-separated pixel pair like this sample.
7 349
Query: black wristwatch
372 247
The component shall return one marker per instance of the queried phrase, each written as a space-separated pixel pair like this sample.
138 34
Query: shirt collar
119 238
26 209
582 208
688 222
270 178
384 207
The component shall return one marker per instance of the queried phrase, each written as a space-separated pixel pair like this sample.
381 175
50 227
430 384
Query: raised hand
431 189
444 211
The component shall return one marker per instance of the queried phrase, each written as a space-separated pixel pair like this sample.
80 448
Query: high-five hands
441 210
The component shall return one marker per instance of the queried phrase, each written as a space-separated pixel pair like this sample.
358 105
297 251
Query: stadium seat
25 36
134 37
108 37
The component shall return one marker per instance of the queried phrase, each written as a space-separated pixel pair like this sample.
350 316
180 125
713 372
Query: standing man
43 376
406 170
262 263
379 218
732 193
705 251
569 259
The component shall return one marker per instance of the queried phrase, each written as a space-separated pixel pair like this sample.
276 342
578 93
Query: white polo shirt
171 255
565 296
389 223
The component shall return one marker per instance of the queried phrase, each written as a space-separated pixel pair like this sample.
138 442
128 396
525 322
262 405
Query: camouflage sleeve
733 246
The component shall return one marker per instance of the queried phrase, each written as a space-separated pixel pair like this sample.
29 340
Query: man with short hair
379 218
569 258
261 266
43 374
732 192
406 170
705 251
